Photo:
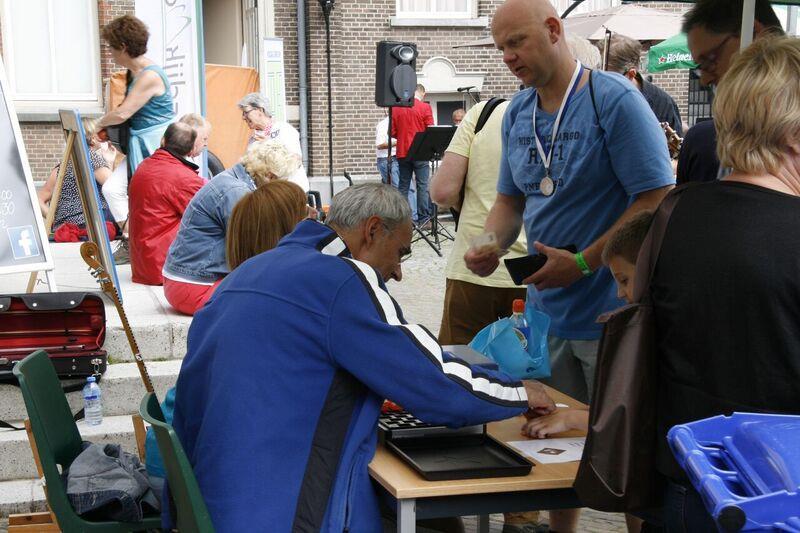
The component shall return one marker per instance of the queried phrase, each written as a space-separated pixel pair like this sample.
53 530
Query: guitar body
674 141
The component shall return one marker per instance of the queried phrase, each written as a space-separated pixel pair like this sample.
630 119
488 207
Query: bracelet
582 264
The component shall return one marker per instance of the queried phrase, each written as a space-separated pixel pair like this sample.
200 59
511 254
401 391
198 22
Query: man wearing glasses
288 365
713 31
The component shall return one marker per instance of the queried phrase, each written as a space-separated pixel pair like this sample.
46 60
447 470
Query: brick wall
44 141
355 28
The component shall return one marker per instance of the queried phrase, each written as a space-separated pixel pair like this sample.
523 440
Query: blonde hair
195 120
269 157
584 51
757 106
262 218
90 128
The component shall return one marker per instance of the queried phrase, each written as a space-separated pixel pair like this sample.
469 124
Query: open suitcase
69 326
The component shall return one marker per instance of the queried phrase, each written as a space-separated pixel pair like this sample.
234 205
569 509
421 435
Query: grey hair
195 120
256 100
354 205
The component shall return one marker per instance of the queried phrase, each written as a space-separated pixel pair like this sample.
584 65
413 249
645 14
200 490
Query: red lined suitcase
69 326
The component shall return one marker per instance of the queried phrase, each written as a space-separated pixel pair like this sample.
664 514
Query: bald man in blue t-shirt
597 156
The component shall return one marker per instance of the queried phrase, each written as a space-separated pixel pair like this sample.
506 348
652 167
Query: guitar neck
148 383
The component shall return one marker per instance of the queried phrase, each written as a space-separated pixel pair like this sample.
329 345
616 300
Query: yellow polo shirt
483 151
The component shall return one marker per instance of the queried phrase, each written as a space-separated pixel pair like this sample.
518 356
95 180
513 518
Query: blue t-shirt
597 176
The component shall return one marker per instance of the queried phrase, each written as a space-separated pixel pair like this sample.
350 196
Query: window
437 8
51 52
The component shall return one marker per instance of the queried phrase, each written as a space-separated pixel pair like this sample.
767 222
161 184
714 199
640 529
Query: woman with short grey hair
257 115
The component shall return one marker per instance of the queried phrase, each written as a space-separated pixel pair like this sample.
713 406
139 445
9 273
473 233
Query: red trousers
187 297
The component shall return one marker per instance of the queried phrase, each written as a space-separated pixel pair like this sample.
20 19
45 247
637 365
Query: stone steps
121 385
18 462
21 496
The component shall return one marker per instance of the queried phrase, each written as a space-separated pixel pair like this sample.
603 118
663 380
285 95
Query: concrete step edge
16 452
21 496
121 385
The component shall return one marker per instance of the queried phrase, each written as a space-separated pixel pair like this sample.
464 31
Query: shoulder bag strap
487 111
651 247
594 103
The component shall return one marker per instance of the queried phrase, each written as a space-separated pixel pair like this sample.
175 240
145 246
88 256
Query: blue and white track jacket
287 366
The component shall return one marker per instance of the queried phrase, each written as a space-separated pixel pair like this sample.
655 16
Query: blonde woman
69 208
196 260
725 291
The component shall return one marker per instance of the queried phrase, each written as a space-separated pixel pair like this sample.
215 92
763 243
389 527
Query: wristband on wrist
582 264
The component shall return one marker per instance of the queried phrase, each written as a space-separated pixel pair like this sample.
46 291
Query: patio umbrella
640 23
636 22
670 54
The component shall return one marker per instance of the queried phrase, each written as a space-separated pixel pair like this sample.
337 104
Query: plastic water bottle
92 402
521 327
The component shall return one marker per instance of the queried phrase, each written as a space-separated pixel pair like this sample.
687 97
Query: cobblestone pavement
421 296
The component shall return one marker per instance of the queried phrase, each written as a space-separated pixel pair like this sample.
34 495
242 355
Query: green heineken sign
670 54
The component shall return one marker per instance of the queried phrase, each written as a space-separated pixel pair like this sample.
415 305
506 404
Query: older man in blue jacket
289 362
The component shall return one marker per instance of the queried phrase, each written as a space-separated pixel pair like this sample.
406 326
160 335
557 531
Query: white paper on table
550 451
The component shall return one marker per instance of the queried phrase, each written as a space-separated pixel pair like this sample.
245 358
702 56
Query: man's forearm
646 200
505 219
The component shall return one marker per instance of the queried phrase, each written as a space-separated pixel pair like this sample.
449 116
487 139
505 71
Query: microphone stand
327 7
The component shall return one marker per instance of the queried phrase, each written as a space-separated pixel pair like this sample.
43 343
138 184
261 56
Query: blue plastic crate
746 467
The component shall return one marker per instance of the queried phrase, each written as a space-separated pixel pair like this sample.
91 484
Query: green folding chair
59 443
191 510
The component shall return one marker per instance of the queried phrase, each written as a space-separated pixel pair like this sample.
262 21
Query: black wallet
522 267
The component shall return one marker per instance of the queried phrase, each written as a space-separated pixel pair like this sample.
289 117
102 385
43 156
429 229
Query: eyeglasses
404 252
711 57
246 112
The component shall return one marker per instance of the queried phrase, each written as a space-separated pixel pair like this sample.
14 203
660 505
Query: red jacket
160 190
407 121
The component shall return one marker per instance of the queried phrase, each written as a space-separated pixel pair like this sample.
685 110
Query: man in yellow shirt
471 163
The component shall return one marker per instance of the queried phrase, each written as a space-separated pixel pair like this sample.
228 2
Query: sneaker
122 256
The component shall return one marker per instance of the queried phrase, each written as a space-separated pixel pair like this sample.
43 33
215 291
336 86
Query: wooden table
547 486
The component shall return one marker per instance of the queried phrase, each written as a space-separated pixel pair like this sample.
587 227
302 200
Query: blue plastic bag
499 342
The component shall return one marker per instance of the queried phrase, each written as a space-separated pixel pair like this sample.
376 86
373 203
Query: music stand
429 145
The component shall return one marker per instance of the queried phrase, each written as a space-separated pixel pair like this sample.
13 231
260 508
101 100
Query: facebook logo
23 242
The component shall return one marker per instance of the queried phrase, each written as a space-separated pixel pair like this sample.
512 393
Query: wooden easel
51 213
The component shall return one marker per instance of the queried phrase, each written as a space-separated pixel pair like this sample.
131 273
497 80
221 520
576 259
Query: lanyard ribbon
573 85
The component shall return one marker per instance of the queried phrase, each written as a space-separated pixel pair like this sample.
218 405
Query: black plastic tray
460 457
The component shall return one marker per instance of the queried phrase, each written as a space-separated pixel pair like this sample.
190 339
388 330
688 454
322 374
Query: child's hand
558 422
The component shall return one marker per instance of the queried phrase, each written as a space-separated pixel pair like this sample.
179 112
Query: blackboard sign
23 243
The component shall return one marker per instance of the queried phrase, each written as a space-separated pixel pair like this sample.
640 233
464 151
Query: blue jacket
288 363
198 251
